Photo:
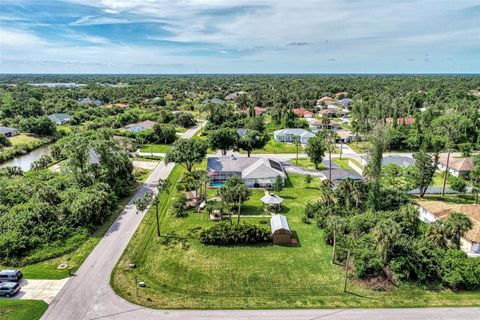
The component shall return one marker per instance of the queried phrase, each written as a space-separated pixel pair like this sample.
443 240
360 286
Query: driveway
44 290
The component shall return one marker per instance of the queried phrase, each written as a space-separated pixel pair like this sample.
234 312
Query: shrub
459 272
226 234
457 184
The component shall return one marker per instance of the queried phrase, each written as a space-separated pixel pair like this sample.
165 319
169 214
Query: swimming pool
216 184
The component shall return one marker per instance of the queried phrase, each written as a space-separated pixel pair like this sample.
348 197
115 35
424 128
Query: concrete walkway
45 290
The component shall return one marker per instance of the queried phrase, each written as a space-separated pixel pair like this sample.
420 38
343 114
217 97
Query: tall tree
252 140
426 164
187 152
224 139
315 149
456 225
373 169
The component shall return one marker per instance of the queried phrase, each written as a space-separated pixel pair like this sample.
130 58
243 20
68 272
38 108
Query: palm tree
357 193
456 225
296 142
436 233
336 223
386 233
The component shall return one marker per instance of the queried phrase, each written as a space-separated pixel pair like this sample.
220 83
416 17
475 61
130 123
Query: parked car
12 275
9 289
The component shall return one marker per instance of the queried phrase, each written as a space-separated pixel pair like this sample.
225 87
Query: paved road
88 295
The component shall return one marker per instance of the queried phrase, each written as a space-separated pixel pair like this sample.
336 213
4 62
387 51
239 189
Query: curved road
88 294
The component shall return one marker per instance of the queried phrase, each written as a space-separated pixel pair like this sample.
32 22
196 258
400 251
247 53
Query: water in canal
26 160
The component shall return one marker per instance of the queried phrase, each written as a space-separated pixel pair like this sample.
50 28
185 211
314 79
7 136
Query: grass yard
156 148
23 139
359 147
343 163
306 163
273 147
21 309
182 273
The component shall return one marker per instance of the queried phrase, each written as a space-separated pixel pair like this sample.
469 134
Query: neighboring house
326 100
346 102
60 118
317 124
214 101
281 233
341 174
259 111
9 132
141 126
431 211
98 103
406 121
287 135
254 171
302 113
401 161
341 94
118 105
458 167
331 112
234 95
345 136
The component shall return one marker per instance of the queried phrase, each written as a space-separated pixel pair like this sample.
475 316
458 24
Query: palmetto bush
226 234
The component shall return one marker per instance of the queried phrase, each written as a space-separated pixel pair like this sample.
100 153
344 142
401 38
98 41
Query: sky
240 36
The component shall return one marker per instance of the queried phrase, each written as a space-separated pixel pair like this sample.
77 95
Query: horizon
239 37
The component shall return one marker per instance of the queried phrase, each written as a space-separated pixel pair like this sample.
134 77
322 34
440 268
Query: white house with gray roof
9 132
60 118
254 171
287 135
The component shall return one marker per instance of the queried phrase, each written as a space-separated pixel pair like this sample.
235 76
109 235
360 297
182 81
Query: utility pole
346 272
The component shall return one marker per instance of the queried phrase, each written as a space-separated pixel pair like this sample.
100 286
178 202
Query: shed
281 233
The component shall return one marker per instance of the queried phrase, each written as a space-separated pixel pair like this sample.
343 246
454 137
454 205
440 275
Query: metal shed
281 233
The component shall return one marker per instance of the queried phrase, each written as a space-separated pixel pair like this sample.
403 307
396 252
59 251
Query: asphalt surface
88 294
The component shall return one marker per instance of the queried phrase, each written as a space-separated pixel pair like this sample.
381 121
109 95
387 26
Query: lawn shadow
296 237
284 209
172 240
359 295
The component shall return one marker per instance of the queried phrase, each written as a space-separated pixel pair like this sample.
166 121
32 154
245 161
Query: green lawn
156 148
21 309
23 139
359 147
306 163
274 147
182 273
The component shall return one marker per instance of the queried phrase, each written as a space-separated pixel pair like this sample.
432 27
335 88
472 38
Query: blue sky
240 36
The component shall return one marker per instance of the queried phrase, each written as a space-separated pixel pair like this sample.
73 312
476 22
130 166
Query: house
345 102
325 100
254 171
281 233
234 95
341 94
345 136
9 132
318 124
401 161
98 103
302 113
459 167
60 118
331 112
141 126
287 135
406 121
214 101
342 174
430 211
118 105
259 111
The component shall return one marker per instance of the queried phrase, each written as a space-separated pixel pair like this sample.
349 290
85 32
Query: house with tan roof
459 167
326 100
302 113
406 120
431 211
141 126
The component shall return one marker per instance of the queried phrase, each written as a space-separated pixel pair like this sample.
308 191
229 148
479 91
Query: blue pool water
217 184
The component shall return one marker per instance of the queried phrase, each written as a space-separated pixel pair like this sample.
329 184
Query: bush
460 272
457 184
226 234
